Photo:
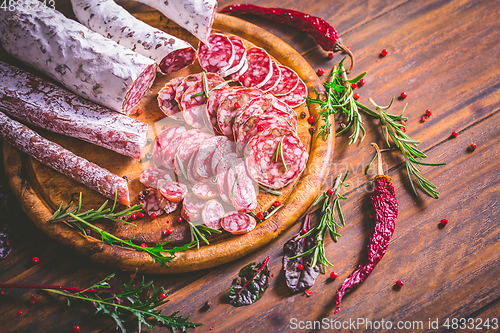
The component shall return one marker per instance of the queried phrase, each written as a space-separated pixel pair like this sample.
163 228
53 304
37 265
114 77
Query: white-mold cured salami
205 191
288 82
85 62
166 97
259 68
274 80
154 177
238 223
191 207
211 214
218 55
196 16
224 165
63 160
259 123
242 190
202 163
240 54
114 22
33 100
163 140
168 151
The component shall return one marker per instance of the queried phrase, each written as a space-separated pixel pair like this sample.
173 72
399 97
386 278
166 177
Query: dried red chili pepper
386 211
324 34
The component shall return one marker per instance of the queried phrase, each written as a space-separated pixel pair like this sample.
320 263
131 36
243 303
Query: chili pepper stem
349 53
380 169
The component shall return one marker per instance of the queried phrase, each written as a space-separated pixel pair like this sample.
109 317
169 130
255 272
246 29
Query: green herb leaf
252 282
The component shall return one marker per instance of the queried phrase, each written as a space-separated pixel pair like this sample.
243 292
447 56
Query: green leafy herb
278 154
81 220
339 97
392 128
331 206
181 166
235 184
299 279
206 88
197 234
250 285
129 303
268 190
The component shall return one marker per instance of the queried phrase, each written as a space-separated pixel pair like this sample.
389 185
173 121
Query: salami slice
163 140
236 76
240 53
274 80
150 203
166 97
205 191
230 105
63 160
88 64
265 161
186 82
224 165
238 223
259 68
259 123
32 100
202 160
114 22
288 82
168 152
184 152
218 55
191 207
242 190
152 176
165 204
297 96
223 149
213 103
211 214
196 16
173 191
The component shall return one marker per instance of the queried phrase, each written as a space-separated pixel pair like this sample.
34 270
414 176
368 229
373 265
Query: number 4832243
13 5
471 323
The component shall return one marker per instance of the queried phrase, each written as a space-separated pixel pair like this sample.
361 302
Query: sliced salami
191 207
238 223
224 165
153 175
211 214
63 160
240 53
32 100
166 97
205 190
184 152
173 191
274 80
168 152
202 163
269 171
242 190
297 96
230 105
259 123
186 82
163 140
150 203
223 149
165 204
288 82
236 76
259 68
114 22
88 64
218 55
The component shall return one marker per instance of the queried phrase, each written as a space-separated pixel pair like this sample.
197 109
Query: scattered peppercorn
472 146
403 129
300 267
76 328
139 112
277 203
311 120
179 219
140 215
321 71
237 105
342 125
265 213
454 134
428 112
424 118
132 275
329 192
308 293
149 156
241 78
7 242
150 141
361 82
144 245
303 231
133 217
303 115
206 306
163 295
400 283
153 216
333 275
168 231
384 52
404 94
19 312
356 96
260 216
211 327
354 85
444 222
312 129
35 260
331 55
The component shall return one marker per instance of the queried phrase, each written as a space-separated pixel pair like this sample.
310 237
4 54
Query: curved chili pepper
326 35
386 211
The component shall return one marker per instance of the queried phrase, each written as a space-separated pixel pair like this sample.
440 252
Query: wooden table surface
445 55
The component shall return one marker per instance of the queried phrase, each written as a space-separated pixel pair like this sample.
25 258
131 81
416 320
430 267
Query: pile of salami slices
238 137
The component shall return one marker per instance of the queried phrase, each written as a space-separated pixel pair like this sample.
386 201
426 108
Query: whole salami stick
85 62
196 16
32 100
386 211
114 22
63 161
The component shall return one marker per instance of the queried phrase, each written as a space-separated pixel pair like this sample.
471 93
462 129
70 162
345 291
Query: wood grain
445 55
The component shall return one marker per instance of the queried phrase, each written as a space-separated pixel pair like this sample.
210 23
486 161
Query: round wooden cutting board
40 189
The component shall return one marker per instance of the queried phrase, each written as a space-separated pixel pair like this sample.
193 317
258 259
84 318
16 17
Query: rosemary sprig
197 234
339 96
268 190
278 154
81 220
131 302
392 128
331 206
181 166
206 88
